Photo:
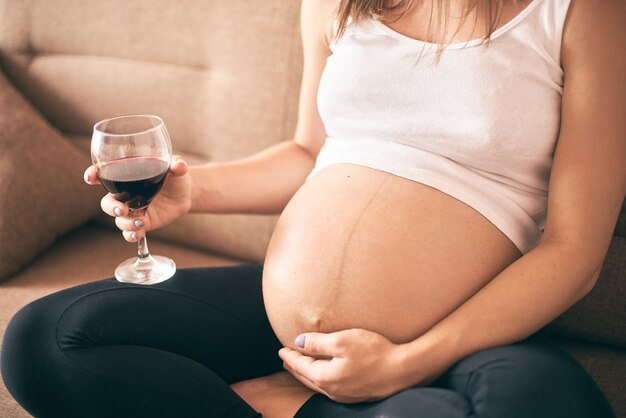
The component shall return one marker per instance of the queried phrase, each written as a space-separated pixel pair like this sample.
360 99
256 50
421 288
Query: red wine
134 181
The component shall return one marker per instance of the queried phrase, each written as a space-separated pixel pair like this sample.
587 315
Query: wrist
426 358
194 190
202 190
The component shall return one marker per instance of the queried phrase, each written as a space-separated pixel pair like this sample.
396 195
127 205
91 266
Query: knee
22 335
412 402
26 351
427 402
534 381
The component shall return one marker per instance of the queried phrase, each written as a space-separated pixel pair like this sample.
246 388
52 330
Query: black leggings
108 349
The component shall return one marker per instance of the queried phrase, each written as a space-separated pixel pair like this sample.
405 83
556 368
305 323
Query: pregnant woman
418 253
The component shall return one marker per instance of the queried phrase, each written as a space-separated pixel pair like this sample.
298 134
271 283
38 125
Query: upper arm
316 19
588 179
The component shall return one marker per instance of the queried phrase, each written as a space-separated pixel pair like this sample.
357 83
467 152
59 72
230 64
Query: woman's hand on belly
358 249
350 366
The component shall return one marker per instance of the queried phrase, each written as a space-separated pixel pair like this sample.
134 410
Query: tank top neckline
463 44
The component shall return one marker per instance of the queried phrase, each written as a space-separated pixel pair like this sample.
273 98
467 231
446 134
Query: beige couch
224 75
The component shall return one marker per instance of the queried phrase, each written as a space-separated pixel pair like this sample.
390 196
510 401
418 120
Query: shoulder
317 19
593 28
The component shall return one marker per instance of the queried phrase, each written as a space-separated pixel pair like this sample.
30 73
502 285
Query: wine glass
132 155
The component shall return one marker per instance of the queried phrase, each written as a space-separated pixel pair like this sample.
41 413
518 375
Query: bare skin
582 208
331 215
360 248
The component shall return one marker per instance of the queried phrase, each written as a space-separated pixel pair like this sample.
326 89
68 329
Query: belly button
313 321
316 323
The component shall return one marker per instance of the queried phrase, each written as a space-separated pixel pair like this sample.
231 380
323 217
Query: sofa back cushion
620 228
224 75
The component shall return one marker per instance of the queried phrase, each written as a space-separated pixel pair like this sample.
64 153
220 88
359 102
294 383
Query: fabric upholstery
223 75
9 406
620 228
42 194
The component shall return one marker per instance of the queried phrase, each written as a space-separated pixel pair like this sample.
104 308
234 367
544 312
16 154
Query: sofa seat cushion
88 254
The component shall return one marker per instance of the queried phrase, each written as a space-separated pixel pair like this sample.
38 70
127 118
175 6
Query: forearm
261 183
519 301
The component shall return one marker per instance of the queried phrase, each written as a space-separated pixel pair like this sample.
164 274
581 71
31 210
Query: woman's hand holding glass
132 157
172 202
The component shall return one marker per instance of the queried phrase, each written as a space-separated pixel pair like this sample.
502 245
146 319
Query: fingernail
117 211
300 340
133 236
138 223
86 177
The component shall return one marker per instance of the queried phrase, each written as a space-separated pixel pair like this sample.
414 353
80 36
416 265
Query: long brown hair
490 10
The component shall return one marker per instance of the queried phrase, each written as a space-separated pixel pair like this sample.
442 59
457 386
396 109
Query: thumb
91 175
319 344
178 167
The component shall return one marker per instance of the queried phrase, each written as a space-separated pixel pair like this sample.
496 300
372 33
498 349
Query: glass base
150 270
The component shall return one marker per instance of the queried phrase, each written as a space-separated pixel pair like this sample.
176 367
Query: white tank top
481 125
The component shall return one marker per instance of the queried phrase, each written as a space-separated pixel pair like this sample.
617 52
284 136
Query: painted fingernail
133 236
138 223
117 211
300 341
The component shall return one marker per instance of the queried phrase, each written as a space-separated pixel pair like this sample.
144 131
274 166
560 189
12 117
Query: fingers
91 175
113 207
315 374
323 376
133 227
304 380
135 223
299 370
297 363
133 236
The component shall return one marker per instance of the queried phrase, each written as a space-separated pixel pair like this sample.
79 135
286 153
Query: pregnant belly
360 248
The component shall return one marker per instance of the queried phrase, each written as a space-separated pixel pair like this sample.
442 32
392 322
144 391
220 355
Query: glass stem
143 254
142 249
